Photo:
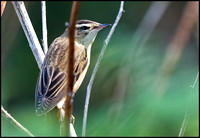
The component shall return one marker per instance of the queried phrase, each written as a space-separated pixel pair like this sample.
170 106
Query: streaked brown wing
49 90
51 83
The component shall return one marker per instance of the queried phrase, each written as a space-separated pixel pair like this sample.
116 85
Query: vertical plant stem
89 87
70 82
29 31
44 27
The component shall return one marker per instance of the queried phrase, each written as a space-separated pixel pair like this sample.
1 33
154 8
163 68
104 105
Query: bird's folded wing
49 90
51 83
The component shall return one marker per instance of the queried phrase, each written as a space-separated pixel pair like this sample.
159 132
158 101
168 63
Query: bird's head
86 31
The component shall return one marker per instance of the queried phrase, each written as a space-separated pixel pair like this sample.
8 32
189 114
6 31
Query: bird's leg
62 115
72 119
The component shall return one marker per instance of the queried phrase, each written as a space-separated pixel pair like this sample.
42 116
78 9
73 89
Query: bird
52 80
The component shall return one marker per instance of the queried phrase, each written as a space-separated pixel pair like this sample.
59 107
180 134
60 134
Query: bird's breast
81 78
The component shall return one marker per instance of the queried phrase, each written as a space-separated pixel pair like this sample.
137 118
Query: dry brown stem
70 82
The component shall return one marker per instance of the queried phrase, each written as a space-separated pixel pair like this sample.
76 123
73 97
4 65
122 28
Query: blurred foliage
123 100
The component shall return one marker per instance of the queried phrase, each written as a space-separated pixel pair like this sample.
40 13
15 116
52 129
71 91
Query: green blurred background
124 99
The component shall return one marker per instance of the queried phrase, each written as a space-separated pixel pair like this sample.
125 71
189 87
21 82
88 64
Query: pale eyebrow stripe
80 25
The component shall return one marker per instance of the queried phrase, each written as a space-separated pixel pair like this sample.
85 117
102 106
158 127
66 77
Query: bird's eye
85 28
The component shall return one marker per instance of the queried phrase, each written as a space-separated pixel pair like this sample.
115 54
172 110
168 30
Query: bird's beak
105 25
101 26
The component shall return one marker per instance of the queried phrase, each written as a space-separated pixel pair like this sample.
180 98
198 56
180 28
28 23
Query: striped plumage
51 84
